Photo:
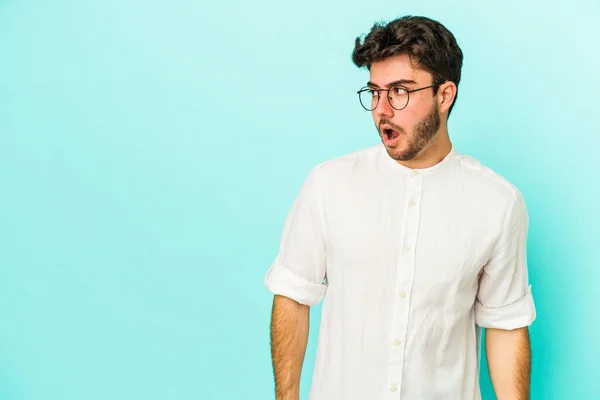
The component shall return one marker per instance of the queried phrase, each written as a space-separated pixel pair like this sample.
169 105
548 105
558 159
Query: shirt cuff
280 280
516 315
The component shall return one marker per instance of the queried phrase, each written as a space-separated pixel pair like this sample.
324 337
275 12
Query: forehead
395 68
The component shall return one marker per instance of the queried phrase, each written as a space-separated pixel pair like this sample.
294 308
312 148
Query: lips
387 130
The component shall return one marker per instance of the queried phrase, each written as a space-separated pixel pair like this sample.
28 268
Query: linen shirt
410 264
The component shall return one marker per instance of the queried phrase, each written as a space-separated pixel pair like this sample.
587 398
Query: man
412 245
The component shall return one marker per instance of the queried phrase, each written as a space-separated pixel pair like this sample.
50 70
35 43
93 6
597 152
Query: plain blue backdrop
150 151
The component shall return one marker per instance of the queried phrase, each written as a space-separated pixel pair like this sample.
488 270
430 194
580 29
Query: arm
296 278
506 309
509 362
289 334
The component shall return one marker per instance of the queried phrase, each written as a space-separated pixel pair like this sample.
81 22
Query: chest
435 237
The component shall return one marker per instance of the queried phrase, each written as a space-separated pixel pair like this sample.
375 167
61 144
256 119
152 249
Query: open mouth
391 134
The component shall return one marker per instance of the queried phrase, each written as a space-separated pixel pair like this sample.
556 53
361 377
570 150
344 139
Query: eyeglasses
397 95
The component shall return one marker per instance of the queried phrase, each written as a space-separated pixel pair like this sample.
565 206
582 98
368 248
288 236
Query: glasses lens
398 96
368 98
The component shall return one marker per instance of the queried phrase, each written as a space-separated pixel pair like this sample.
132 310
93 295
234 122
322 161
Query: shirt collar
448 159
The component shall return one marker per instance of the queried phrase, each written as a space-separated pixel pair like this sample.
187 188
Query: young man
412 245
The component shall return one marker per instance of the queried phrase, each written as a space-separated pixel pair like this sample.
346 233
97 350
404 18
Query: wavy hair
427 42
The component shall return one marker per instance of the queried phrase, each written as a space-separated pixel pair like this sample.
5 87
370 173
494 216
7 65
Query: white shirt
409 264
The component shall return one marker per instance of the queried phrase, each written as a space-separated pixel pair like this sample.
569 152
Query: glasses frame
408 92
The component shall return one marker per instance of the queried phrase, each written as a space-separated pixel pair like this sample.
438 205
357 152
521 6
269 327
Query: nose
383 109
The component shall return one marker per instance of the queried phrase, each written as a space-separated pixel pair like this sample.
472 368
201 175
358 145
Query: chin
398 153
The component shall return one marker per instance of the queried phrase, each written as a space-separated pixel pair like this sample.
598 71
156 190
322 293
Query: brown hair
427 42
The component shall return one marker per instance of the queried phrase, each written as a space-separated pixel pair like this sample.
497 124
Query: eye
374 92
399 91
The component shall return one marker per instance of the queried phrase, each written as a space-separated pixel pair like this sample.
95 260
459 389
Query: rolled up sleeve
504 298
299 269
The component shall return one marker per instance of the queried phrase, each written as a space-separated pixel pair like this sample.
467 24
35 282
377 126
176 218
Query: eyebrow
398 82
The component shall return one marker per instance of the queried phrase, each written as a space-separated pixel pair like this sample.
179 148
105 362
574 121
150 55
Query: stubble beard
424 132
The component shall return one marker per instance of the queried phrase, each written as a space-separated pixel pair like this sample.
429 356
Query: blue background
150 151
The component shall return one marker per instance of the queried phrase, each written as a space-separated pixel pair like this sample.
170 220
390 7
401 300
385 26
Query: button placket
405 274
411 239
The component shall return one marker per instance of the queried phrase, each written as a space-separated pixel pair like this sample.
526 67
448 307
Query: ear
446 95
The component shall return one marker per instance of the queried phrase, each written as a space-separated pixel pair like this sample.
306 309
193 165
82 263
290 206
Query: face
408 132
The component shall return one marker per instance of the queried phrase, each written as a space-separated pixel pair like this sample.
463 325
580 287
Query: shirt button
414 172
412 203
397 342
407 248
402 294
394 387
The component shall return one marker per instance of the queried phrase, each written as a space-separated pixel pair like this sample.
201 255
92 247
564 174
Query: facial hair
424 131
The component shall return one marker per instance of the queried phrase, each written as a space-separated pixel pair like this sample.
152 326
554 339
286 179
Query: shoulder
484 182
350 164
